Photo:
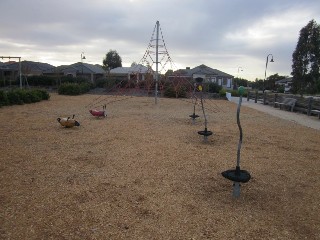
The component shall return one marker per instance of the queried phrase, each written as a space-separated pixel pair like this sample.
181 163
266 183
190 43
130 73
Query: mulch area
144 172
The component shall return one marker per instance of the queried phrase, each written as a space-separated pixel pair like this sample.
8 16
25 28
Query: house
29 68
287 83
208 74
136 72
10 71
80 69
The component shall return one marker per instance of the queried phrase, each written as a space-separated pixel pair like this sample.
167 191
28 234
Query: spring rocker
99 113
68 122
236 175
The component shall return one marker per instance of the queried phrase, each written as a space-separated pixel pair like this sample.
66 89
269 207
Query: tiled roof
202 69
127 70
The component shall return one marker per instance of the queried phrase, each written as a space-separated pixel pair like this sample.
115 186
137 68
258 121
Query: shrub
4 101
171 93
14 97
214 88
73 88
222 93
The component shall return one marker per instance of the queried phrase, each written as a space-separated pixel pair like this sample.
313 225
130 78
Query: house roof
202 69
284 80
78 67
31 66
127 70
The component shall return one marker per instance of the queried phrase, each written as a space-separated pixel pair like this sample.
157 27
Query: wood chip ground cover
144 172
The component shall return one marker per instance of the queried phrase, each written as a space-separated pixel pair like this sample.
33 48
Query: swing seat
194 116
237 175
205 133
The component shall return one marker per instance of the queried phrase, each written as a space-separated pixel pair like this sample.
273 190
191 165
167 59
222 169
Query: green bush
222 93
21 96
171 93
74 88
14 97
214 88
4 101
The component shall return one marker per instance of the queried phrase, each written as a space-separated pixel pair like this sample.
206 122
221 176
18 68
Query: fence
303 104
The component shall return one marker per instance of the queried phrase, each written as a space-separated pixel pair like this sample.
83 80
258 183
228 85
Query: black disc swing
205 133
194 116
236 175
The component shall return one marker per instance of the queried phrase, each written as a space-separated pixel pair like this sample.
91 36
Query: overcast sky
228 35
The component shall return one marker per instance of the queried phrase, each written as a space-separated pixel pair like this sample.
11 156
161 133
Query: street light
241 69
265 72
82 57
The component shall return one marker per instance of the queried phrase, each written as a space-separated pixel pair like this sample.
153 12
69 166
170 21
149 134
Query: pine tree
306 60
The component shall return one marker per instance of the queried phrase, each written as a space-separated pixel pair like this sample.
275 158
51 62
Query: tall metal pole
20 73
157 52
265 71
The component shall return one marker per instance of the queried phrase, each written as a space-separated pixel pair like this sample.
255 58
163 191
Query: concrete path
300 118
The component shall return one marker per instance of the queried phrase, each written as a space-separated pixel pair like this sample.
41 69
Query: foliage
280 89
3 98
112 60
214 88
270 83
306 59
41 81
170 92
74 88
21 96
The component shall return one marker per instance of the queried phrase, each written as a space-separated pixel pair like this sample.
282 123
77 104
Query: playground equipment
236 175
194 116
99 113
205 133
67 122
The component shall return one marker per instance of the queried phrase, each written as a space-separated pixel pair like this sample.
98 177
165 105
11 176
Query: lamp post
82 57
265 72
239 69
238 82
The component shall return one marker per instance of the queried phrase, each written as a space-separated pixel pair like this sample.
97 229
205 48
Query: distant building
206 73
86 70
136 72
287 83
9 71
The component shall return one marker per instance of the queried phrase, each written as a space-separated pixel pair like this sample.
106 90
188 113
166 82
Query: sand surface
144 172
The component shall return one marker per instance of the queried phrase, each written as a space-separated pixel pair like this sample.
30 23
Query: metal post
20 73
157 48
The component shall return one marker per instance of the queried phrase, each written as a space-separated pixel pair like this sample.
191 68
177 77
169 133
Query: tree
271 81
112 60
306 60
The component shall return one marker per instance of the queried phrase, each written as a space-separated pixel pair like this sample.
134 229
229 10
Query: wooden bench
287 102
316 112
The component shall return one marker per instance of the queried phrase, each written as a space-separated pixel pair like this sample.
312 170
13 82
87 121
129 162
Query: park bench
316 112
287 102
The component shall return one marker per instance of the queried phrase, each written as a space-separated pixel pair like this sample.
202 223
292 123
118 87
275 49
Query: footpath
299 118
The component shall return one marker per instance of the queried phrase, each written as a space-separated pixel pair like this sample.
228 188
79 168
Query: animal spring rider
236 175
67 122
99 113
204 133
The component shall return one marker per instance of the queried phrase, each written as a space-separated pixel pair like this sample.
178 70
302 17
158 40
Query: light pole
82 57
238 82
265 72
241 69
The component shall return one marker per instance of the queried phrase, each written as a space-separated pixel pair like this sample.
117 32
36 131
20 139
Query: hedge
22 96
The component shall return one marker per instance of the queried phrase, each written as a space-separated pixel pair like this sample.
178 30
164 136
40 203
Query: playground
143 172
